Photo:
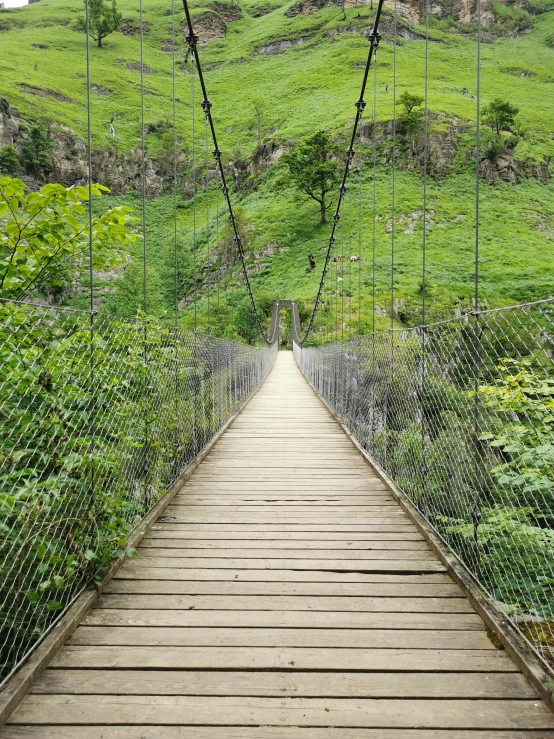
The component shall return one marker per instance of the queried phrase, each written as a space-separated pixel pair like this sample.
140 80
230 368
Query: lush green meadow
311 86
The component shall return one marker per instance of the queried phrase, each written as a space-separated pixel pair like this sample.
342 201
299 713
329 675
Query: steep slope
303 62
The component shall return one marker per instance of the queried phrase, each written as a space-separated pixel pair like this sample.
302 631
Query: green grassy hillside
310 85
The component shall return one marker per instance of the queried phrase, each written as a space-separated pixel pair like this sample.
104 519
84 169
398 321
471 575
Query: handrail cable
476 513
193 154
374 38
174 143
192 41
424 259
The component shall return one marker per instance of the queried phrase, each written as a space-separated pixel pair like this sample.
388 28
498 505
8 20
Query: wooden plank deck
283 594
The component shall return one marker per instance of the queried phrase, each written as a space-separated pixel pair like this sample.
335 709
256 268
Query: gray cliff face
10 124
69 162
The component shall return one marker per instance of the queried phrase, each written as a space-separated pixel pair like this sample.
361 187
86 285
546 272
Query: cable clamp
350 153
375 37
336 217
192 40
217 153
360 105
331 239
225 189
343 189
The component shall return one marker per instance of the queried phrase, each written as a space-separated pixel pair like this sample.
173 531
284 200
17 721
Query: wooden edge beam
23 680
515 644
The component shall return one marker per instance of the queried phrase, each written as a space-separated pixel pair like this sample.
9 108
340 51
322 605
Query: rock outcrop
10 124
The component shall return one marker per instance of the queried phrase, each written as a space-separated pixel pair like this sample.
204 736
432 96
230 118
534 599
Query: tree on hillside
313 169
499 115
9 161
103 20
259 113
410 120
35 152
409 101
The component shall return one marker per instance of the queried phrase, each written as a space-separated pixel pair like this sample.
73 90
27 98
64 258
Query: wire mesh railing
99 417
460 415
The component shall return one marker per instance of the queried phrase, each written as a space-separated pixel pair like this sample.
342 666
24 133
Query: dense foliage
46 238
461 416
99 417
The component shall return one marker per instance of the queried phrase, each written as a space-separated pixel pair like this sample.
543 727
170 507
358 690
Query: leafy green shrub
521 415
9 161
45 236
35 152
515 558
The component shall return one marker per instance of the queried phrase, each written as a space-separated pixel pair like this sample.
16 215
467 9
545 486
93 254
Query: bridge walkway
283 594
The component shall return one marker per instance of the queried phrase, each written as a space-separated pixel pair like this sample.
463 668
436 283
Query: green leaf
54 605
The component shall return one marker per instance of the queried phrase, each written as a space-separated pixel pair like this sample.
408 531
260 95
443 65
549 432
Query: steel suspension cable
374 209
192 40
208 215
92 413
143 158
393 168
341 292
390 376
424 259
476 514
193 135
360 248
374 38
145 447
174 122
350 216
218 261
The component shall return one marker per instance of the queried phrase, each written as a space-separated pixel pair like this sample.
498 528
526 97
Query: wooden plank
268 499
278 637
183 552
365 565
134 570
15 731
284 619
186 587
301 508
330 537
313 519
292 537
299 684
286 603
278 658
258 546
171 522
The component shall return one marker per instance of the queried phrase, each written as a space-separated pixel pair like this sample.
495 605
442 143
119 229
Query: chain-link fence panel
460 415
100 416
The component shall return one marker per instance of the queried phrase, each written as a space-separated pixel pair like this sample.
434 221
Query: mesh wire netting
460 415
99 417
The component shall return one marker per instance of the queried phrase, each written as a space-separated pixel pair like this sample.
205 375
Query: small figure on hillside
355 258
386 88
465 91
112 129
36 67
311 262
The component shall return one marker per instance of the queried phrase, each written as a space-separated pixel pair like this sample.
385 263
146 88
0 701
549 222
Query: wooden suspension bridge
283 592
